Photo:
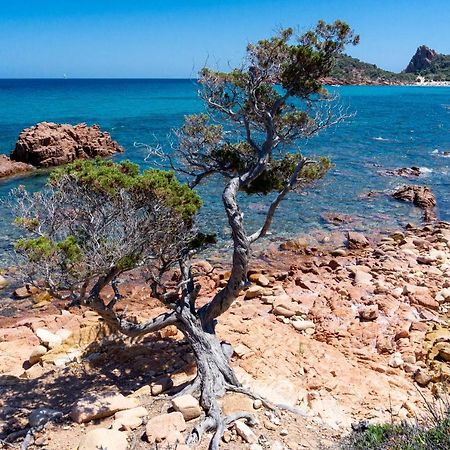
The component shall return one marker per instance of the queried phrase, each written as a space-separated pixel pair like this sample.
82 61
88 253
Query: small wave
425 170
379 138
441 154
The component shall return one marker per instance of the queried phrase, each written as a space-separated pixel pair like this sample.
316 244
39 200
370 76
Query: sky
174 39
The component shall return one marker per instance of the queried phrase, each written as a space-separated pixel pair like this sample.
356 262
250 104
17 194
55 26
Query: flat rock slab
163 426
97 407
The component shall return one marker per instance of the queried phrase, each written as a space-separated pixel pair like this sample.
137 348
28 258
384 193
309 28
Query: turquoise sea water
393 127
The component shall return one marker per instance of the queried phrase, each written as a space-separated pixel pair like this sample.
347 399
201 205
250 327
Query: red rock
356 240
49 144
9 168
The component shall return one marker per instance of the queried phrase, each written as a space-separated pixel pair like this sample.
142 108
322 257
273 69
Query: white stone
396 360
37 353
245 432
302 325
3 282
188 406
47 338
64 334
105 439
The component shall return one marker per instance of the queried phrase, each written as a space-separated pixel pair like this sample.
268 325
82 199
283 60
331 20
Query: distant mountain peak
422 59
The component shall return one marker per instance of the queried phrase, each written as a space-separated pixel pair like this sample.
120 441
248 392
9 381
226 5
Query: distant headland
426 68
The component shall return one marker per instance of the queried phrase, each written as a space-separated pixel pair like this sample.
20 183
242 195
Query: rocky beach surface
340 333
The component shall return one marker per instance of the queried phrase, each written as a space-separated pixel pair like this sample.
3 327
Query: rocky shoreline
344 333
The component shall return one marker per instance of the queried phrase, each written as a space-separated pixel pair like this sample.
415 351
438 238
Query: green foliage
403 437
127 262
36 249
42 248
278 172
349 69
109 179
27 223
70 249
439 69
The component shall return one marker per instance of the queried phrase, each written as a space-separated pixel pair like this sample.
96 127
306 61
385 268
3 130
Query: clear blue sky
163 38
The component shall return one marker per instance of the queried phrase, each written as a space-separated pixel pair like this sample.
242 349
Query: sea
390 127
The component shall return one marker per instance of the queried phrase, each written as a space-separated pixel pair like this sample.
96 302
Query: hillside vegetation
425 63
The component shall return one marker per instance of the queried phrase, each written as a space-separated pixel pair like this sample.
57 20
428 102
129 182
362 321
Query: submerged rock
402 172
420 196
49 144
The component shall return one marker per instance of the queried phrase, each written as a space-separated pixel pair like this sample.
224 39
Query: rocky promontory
50 144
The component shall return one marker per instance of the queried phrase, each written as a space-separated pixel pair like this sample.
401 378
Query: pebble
245 432
302 325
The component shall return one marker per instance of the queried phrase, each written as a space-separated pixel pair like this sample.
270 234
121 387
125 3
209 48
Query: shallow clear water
393 127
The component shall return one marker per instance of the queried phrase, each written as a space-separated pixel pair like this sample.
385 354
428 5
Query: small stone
226 436
356 240
277 445
334 265
160 427
254 291
282 310
284 432
161 385
25 291
425 260
105 439
245 432
3 282
257 404
139 411
188 406
396 361
339 252
302 325
37 353
368 312
144 390
422 378
47 338
260 279
268 425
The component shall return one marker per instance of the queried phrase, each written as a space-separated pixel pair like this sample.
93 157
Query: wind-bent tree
97 220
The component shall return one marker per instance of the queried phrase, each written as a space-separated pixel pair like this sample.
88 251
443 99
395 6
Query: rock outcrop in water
421 60
420 196
49 144
9 168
